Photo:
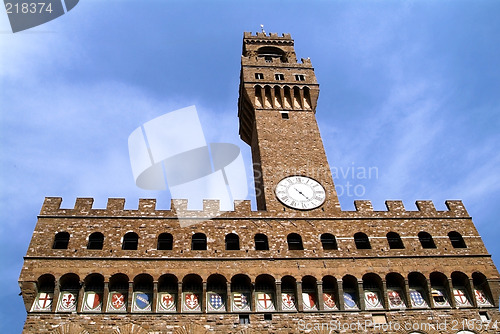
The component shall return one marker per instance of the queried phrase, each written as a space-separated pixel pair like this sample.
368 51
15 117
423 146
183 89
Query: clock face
300 192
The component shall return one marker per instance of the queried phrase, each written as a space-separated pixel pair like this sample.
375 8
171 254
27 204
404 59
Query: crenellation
115 205
395 206
244 207
457 207
178 205
147 205
264 37
211 208
51 205
83 205
363 206
426 207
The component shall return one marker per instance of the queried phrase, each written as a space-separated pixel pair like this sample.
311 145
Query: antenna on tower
262 28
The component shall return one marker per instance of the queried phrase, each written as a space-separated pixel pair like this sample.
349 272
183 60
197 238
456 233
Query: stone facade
274 270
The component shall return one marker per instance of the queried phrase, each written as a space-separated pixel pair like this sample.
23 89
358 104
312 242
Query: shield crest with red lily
191 301
67 301
288 301
481 298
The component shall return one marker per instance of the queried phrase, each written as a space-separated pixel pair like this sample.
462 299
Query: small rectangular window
244 319
259 76
279 76
300 77
268 317
484 316
284 115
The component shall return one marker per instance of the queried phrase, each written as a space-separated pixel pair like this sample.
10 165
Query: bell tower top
270 60
268 47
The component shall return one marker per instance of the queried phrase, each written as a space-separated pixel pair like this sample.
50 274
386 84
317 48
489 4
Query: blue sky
408 88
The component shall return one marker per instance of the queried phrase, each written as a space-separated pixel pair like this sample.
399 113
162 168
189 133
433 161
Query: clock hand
300 192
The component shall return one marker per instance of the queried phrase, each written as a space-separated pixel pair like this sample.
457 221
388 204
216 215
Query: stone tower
276 108
297 264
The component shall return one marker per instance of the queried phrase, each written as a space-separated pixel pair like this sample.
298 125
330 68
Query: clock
300 192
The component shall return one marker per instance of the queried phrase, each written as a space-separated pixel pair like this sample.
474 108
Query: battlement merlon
242 209
262 36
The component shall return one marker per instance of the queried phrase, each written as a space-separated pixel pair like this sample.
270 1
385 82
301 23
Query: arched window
118 282
69 285
199 241
96 241
277 97
61 241
232 242
297 103
372 287
45 294
192 293
419 293
351 296
270 52
294 242
93 293
46 283
309 293
265 293
130 241
330 293
288 293
482 290
258 96
394 241
142 293
118 292
456 240
328 241
461 289
396 291
241 287
361 240
440 289
165 241
261 242
216 293
426 240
